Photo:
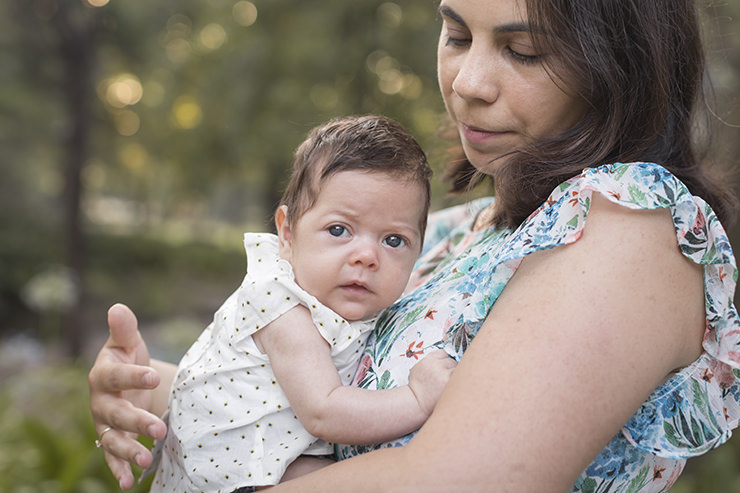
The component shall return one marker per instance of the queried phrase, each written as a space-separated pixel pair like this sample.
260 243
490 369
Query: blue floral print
462 271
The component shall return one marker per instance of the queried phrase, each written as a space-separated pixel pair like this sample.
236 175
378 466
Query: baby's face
355 248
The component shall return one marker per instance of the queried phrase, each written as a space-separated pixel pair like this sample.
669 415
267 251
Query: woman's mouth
478 135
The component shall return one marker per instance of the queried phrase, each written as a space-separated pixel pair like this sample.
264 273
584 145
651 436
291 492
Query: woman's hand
122 395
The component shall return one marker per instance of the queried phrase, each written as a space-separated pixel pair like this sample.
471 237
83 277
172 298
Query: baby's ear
285 235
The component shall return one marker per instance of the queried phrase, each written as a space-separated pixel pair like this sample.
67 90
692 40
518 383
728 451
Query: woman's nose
477 76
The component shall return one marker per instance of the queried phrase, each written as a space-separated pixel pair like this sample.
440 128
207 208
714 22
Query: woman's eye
337 230
456 41
456 36
521 58
395 241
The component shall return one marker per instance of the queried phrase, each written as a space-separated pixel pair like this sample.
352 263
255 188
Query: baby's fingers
440 358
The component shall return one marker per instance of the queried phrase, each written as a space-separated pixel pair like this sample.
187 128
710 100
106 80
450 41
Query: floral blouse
462 272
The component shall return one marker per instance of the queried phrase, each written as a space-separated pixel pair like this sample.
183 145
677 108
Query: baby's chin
357 315
360 318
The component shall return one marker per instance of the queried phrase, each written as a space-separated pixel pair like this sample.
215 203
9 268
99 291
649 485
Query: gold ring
98 442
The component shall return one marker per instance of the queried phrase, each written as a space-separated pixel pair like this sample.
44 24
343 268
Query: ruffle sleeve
269 290
699 406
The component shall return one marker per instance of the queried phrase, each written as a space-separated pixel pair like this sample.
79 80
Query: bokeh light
176 44
127 122
213 36
123 90
186 113
134 157
390 14
245 13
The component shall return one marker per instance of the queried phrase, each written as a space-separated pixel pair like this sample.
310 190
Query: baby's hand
428 378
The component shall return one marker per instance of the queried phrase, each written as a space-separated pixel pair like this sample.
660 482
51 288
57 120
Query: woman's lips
478 135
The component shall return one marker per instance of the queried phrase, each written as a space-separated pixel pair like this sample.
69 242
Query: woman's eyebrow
517 27
446 11
514 27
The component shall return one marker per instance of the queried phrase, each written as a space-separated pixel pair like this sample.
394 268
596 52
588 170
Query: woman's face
495 85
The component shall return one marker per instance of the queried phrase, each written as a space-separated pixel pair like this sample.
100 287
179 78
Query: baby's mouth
355 287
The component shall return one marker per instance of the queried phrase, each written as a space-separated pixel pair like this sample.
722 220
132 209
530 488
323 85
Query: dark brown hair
372 144
638 65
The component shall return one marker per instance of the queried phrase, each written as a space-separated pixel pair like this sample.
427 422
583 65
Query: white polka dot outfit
230 424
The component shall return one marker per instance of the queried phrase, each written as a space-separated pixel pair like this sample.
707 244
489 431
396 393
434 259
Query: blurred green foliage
47 438
176 120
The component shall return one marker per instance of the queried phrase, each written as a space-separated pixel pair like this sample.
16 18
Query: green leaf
589 485
620 171
639 481
670 434
385 380
636 195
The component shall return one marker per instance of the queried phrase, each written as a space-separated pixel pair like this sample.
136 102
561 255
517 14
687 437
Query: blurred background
141 139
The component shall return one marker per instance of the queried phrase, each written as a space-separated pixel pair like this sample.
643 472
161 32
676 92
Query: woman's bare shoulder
629 260
599 322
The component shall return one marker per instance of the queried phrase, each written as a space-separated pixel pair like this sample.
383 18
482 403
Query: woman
592 301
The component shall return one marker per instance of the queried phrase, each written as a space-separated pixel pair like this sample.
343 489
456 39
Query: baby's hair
372 144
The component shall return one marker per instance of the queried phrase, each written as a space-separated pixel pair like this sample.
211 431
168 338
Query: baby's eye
337 230
394 241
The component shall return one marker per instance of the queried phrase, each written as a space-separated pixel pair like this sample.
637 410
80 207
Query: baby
266 382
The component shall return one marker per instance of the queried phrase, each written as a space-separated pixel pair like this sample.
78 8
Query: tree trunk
76 29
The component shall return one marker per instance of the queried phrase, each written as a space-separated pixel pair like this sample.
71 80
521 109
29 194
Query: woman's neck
485 218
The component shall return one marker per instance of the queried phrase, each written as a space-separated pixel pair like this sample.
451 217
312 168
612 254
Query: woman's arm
128 392
301 360
577 341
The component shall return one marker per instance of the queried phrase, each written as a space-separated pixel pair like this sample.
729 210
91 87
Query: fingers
121 452
438 359
123 362
124 329
121 471
446 360
439 354
124 446
121 415
120 390
109 375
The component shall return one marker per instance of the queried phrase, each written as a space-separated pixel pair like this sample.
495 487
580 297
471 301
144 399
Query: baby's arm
301 360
